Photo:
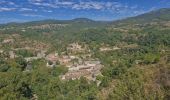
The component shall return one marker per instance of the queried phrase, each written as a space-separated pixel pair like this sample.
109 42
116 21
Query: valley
127 59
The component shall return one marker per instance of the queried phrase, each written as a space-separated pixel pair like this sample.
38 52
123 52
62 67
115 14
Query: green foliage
151 58
133 86
50 62
4 68
21 63
25 53
59 70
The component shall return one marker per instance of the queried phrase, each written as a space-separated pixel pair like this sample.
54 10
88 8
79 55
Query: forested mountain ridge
153 16
52 21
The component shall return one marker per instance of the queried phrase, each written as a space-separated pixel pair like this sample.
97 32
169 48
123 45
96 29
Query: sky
31 10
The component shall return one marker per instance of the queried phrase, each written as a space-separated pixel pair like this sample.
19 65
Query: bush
151 58
59 70
4 68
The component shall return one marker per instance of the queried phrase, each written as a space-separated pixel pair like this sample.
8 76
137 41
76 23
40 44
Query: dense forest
135 59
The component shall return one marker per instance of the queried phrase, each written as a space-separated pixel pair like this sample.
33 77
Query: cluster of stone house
77 65
51 59
12 55
63 59
89 69
75 47
8 54
8 41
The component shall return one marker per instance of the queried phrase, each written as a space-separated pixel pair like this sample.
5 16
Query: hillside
84 21
160 15
82 59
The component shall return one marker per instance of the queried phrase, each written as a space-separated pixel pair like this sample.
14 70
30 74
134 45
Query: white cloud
86 5
112 7
64 3
32 15
89 5
45 4
2 9
25 9
36 0
49 11
7 2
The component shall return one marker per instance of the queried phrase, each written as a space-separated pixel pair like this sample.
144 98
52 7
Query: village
79 65
77 57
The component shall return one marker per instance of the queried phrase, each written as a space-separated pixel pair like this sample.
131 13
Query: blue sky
29 10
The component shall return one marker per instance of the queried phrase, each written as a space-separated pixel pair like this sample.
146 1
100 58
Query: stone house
52 58
12 55
8 41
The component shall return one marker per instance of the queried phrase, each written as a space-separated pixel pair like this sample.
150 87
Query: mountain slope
153 16
52 21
